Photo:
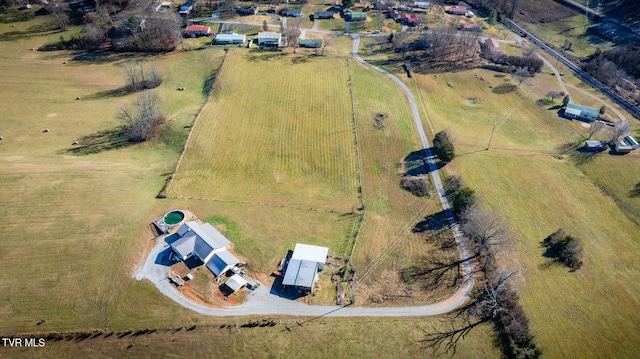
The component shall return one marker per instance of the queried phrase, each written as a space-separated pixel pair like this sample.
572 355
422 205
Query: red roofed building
492 49
410 19
197 30
472 26
457 10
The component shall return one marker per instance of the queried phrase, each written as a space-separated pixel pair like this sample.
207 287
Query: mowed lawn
74 216
278 130
590 313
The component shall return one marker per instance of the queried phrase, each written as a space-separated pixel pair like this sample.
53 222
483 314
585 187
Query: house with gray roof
221 262
581 112
200 241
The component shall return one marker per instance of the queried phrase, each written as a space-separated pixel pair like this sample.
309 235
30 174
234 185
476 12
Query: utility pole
491 137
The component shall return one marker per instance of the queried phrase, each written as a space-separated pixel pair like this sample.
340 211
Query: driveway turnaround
262 302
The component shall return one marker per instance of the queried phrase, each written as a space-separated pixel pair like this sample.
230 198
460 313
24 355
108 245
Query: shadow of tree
47 28
432 222
101 141
119 92
635 192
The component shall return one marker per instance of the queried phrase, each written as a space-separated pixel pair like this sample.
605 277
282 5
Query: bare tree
265 26
554 94
618 130
140 77
326 42
595 127
487 234
292 33
521 75
59 9
142 119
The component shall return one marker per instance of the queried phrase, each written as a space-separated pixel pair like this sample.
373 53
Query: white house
201 241
421 4
269 38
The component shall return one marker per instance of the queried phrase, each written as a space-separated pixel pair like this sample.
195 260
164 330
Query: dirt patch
52 114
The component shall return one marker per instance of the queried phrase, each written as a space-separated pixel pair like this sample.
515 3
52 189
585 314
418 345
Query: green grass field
285 138
73 214
575 30
587 314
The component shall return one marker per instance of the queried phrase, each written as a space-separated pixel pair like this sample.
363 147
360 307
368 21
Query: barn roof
310 252
300 273
198 28
582 111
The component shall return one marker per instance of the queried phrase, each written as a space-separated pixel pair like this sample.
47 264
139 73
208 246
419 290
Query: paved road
262 302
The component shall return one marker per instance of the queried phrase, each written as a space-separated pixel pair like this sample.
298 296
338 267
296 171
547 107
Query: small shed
631 142
595 146
581 112
623 147
235 282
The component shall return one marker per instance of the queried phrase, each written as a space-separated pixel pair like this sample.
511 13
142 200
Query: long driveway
262 302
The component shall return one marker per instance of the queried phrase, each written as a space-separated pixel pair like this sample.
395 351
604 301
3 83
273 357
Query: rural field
76 216
537 188
284 138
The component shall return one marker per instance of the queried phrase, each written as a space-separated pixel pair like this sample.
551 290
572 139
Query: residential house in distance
323 15
246 10
457 10
350 15
492 49
421 4
291 12
384 4
269 38
472 26
186 7
303 267
394 14
197 30
581 112
409 19
310 43
229 39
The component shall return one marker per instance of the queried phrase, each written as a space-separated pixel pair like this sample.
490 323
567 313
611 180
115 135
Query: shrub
565 249
415 185
443 147
464 199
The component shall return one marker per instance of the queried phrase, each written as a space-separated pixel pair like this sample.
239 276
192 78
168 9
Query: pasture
536 189
284 138
73 214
